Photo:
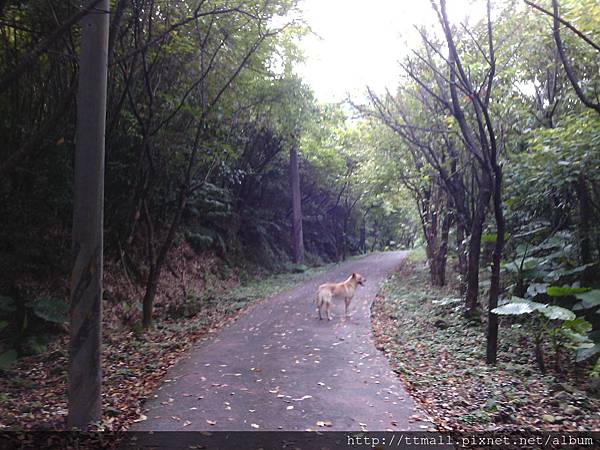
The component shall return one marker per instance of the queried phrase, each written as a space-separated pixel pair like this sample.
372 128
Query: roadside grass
441 358
265 287
134 362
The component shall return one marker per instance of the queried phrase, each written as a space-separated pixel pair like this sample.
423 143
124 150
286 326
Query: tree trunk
472 292
375 235
85 376
462 256
297 238
430 254
345 239
585 225
492 331
437 266
442 254
437 253
149 295
363 236
156 265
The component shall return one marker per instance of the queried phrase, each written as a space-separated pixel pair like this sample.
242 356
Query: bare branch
566 64
43 46
571 27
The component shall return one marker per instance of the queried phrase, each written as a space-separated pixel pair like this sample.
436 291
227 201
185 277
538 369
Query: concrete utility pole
85 374
297 237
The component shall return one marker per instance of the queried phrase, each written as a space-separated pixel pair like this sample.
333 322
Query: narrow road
278 367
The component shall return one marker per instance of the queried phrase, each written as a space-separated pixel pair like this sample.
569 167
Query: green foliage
28 325
7 304
7 359
595 372
210 209
589 299
518 306
52 310
515 308
201 241
574 333
490 238
555 291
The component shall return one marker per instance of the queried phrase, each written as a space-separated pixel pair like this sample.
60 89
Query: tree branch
43 46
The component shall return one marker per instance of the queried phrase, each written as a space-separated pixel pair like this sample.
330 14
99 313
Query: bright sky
359 42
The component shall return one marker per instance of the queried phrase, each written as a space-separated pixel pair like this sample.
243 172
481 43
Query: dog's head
359 278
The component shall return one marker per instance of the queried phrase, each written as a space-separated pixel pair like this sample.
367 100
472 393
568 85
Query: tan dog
343 290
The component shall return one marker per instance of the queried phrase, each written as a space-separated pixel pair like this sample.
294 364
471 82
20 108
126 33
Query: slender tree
482 142
85 376
297 238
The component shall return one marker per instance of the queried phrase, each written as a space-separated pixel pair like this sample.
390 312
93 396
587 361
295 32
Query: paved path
280 368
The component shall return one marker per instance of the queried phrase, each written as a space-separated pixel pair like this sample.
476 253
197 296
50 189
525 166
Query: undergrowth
441 357
134 361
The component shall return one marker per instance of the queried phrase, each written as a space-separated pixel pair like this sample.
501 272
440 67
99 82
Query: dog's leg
319 302
347 304
327 310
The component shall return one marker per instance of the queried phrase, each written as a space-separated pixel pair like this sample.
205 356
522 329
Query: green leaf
514 309
488 238
51 309
564 291
577 340
595 372
7 304
515 299
447 301
7 359
579 325
519 306
536 288
37 344
557 313
589 299
3 324
585 353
